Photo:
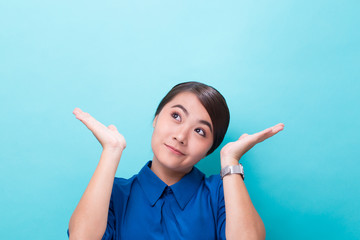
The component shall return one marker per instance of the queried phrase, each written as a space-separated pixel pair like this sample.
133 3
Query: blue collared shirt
144 207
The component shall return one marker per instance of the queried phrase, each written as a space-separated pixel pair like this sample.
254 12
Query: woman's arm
242 219
89 219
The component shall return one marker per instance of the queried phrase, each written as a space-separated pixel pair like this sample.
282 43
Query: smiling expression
183 133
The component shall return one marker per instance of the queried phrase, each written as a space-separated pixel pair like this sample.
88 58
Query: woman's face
183 133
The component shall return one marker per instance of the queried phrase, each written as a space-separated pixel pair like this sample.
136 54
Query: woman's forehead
187 100
190 104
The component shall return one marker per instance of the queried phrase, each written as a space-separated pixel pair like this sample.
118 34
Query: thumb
243 136
112 128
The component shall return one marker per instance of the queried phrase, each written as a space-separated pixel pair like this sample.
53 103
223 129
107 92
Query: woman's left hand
233 151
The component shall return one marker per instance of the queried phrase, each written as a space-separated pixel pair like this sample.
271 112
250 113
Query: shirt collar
183 190
187 187
151 184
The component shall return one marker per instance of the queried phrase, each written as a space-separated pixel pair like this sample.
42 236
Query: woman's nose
181 135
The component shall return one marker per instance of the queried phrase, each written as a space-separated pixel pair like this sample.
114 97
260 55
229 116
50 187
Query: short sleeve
110 228
221 215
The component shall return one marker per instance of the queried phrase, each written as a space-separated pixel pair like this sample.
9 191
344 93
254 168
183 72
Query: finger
265 132
90 122
77 111
278 127
269 132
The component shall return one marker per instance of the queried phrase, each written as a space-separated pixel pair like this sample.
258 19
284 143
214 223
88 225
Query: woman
170 198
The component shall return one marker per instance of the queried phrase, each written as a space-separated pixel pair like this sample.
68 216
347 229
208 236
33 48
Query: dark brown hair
213 102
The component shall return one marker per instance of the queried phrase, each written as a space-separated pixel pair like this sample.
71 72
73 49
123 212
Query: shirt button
168 190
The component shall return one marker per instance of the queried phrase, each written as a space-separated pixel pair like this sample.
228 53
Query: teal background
295 62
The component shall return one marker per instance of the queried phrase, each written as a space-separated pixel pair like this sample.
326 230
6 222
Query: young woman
170 198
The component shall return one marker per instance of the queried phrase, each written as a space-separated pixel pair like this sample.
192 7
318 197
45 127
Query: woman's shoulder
213 188
124 181
123 186
213 178
213 183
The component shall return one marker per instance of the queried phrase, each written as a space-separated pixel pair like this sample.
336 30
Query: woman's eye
200 131
176 116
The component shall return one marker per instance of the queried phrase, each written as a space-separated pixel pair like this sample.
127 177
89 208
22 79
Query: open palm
109 137
235 150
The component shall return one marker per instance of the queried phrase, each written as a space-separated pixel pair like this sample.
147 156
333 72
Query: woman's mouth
174 150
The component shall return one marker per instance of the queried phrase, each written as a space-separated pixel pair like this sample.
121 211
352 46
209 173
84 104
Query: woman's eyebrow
182 108
187 114
206 123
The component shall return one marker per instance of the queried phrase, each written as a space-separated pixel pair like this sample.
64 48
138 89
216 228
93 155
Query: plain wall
295 62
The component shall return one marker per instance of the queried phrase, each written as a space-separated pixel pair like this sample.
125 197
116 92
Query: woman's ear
154 122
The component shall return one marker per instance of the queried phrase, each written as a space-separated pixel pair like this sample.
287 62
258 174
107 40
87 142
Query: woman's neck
167 175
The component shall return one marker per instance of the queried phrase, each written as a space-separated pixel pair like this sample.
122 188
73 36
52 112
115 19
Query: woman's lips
174 150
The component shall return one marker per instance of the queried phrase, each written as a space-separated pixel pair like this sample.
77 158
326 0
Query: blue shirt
144 207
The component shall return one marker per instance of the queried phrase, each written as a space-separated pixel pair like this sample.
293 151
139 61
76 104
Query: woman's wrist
112 154
227 161
113 150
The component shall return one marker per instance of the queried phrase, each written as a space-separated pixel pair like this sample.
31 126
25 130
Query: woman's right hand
108 137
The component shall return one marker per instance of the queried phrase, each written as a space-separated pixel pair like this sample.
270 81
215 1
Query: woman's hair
213 102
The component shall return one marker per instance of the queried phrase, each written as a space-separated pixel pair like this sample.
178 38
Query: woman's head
211 100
